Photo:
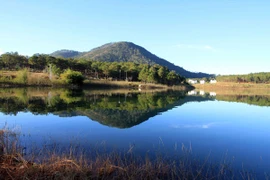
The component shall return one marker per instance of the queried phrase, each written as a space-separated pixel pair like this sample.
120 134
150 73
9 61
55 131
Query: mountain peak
65 53
124 51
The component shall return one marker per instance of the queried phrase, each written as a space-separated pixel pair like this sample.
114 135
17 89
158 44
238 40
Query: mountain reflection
122 109
116 109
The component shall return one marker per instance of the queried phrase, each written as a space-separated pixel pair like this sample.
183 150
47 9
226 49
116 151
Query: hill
125 52
66 53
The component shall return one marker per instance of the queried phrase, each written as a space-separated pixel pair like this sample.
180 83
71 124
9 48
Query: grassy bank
74 163
228 88
24 78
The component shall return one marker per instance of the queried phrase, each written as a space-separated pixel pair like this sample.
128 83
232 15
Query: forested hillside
127 52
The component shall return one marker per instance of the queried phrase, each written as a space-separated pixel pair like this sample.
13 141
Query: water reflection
122 110
210 125
115 109
248 99
199 126
252 98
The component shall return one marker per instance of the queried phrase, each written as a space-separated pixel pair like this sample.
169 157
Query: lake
232 128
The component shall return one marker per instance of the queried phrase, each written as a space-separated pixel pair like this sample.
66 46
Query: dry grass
73 163
109 166
39 79
223 88
9 79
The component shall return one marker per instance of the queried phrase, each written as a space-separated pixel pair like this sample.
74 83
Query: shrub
22 77
72 77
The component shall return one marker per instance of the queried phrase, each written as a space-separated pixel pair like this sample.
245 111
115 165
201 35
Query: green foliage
56 70
152 75
38 62
162 73
13 61
105 69
159 74
114 70
22 77
174 78
143 75
72 77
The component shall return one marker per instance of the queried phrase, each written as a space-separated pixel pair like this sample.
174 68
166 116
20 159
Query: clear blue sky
213 36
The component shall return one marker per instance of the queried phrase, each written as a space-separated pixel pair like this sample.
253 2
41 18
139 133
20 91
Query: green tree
143 75
173 78
72 77
38 62
162 74
13 61
152 75
95 66
114 69
105 69
125 69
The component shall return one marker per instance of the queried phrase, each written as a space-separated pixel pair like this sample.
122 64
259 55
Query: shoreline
221 88
134 85
8 79
102 84
233 85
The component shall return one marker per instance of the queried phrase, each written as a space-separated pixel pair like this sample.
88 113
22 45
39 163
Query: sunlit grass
226 88
24 78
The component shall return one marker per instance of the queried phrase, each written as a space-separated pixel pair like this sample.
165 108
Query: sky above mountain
220 37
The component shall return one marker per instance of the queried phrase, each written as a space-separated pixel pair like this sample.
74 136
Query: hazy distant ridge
66 53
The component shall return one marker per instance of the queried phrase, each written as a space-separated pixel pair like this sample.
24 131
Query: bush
72 77
22 77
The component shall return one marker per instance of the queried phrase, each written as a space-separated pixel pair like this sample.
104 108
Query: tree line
128 71
262 77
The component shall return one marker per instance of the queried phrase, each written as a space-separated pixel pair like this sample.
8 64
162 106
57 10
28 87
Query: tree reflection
122 110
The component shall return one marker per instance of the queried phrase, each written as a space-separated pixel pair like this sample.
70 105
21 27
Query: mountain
124 52
66 53
128 116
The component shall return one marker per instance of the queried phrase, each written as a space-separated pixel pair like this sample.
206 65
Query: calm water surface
235 128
